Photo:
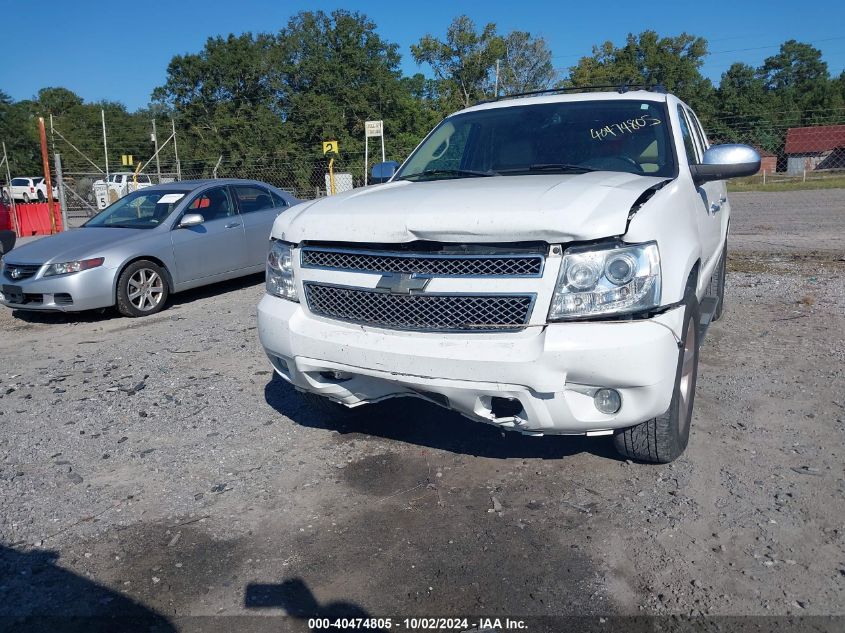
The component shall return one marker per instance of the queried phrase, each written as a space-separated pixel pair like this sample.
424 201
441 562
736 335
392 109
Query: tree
527 64
743 109
647 59
800 82
464 64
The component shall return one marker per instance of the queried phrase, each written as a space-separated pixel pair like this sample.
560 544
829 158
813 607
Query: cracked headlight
610 279
280 277
73 267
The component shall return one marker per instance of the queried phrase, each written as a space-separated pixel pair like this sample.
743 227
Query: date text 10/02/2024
416 624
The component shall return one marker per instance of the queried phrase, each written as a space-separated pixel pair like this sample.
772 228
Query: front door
216 246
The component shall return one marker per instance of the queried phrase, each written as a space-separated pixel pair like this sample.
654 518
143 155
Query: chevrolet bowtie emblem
402 283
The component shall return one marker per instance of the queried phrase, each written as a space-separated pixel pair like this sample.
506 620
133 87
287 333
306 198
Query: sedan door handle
715 207
232 225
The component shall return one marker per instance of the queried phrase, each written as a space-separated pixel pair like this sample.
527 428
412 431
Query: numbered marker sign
373 128
331 146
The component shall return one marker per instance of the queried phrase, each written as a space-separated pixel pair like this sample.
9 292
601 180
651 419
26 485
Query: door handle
723 198
715 207
232 225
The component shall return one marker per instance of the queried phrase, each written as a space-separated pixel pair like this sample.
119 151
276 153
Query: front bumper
87 290
551 370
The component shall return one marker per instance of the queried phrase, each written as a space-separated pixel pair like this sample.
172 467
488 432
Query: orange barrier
33 218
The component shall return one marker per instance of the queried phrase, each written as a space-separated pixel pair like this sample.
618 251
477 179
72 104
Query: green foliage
465 63
269 99
647 59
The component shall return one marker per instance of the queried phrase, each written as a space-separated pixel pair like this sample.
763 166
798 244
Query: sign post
372 128
332 148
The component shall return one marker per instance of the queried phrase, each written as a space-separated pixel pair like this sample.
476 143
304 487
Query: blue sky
120 51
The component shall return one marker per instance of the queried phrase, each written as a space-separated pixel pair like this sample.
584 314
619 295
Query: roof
818 138
632 95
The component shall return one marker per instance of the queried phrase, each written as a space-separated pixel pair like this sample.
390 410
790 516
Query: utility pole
45 162
176 151
61 186
105 148
155 140
496 92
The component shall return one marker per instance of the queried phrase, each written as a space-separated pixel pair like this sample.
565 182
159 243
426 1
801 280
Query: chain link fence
790 153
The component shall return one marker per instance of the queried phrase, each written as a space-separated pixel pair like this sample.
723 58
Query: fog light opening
608 401
335 376
505 407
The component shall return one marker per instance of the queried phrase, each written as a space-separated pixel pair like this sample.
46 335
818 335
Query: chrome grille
433 312
18 272
530 265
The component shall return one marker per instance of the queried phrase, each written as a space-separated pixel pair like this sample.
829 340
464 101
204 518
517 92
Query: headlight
280 279
73 267
598 280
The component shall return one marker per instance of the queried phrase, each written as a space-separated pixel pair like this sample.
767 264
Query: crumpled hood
72 245
549 208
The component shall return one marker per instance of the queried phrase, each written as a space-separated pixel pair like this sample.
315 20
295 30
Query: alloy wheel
145 289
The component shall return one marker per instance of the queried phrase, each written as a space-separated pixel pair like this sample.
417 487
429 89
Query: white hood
548 208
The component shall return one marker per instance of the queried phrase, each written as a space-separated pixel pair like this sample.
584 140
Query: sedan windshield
546 138
144 209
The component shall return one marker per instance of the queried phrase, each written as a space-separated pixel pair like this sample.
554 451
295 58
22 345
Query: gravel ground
154 469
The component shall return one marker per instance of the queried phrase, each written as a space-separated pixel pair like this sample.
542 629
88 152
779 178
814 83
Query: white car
547 264
29 189
118 185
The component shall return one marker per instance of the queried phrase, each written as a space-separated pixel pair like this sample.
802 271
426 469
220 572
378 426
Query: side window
20 182
144 179
702 137
686 133
213 204
252 199
278 201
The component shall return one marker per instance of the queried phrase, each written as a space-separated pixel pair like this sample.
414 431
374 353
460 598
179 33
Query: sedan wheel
142 289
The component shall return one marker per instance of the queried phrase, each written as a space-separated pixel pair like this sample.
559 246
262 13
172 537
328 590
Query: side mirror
726 161
190 219
382 172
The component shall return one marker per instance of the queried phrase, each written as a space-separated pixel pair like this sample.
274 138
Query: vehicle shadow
298 601
173 303
415 421
38 595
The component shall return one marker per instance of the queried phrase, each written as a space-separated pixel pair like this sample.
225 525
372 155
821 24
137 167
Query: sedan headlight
601 280
280 277
73 267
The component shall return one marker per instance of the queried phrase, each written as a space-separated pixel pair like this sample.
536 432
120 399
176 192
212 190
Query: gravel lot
154 469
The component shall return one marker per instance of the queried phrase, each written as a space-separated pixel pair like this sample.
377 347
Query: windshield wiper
562 168
455 173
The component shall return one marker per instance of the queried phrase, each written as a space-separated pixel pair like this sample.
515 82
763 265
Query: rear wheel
26 197
141 289
663 439
41 197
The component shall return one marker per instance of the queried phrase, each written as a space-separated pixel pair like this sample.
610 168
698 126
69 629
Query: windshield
565 137
139 210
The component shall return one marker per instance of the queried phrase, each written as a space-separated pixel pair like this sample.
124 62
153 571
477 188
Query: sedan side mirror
382 172
190 219
726 161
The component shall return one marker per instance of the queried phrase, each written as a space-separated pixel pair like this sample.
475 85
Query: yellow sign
127 159
331 146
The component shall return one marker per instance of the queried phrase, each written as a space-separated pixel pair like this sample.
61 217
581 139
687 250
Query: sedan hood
72 245
549 208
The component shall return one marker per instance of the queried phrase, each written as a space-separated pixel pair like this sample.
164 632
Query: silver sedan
147 245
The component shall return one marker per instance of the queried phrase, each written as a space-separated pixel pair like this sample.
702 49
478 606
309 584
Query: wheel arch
168 276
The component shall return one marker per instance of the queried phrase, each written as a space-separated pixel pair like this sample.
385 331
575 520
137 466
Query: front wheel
663 439
141 289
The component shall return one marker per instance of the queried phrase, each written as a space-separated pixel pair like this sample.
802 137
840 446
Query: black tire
26 198
41 197
663 439
154 292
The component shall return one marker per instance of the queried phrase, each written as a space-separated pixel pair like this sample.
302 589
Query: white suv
29 189
547 264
